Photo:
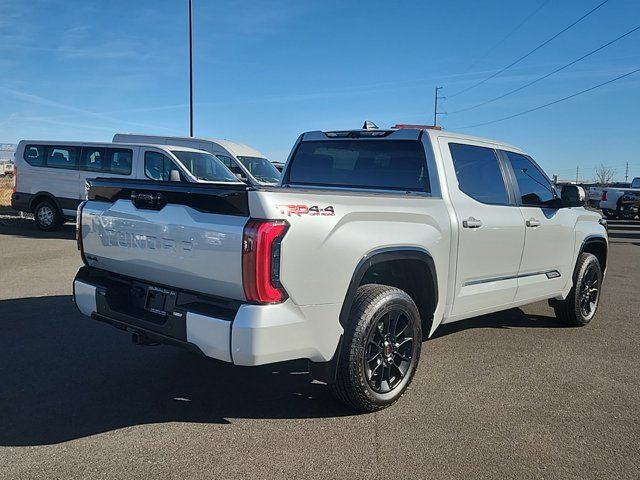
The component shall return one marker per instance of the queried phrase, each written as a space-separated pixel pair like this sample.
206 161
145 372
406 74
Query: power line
507 36
548 74
495 74
552 103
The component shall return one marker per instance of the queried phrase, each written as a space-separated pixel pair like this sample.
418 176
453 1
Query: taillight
79 231
603 197
15 179
261 260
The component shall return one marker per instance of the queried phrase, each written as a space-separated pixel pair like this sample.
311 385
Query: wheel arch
41 196
378 267
598 246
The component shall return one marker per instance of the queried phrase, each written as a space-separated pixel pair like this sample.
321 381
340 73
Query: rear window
371 164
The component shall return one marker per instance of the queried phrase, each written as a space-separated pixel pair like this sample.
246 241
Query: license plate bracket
160 300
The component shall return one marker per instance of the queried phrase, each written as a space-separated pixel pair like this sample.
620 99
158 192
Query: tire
47 216
581 304
380 349
610 214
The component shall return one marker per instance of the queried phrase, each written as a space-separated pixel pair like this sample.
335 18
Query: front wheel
380 350
582 302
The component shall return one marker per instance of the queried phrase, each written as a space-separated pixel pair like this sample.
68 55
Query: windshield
205 166
261 168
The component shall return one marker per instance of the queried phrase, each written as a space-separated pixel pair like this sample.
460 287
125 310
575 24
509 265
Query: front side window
34 155
535 188
479 173
372 164
261 168
158 166
205 166
62 157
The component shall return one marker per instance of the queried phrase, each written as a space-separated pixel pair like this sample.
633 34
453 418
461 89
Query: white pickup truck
372 240
621 202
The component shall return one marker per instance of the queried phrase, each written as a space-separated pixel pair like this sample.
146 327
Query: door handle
533 222
472 223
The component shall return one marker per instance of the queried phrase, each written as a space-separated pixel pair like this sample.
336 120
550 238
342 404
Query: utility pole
435 107
191 68
626 173
577 171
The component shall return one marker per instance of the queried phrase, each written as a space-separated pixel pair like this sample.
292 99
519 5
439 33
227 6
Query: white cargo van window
204 166
34 155
230 164
119 161
261 168
62 157
158 167
92 159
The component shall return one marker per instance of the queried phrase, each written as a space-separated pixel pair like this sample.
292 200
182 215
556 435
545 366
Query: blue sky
266 71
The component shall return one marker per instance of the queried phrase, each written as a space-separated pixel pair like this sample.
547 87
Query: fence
6 187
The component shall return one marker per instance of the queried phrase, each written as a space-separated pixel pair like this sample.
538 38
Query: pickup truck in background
371 241
621 203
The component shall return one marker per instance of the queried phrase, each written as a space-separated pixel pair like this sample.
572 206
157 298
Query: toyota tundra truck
371 241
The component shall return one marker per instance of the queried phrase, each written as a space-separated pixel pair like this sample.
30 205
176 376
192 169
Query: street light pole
191 68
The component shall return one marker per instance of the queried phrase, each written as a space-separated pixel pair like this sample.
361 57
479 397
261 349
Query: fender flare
593 239
382 255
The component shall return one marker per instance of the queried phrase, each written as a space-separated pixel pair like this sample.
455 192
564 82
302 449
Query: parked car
51 176
374 239
246 162
6 169
621 202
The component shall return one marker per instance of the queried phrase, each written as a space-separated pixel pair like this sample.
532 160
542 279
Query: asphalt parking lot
509 395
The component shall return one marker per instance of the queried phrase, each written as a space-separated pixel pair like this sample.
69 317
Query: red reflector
261 260
604 195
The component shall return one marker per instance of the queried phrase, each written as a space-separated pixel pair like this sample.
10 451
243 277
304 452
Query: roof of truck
408 133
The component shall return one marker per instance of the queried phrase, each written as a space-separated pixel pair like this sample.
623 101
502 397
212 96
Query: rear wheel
609 213
47 216
582 302
380 350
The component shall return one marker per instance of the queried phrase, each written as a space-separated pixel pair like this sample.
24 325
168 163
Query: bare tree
604 175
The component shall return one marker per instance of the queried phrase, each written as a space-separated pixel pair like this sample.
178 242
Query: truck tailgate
184 236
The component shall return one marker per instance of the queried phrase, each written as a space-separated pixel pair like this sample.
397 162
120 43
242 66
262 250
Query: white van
246 162
50 176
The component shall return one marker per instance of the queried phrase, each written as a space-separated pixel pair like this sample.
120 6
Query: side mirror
174 176
573 196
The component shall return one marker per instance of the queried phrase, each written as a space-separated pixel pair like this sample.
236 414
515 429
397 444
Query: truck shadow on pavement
24 227
66 377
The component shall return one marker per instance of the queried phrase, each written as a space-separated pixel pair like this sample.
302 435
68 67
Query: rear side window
371 164
158 166
34 155
93 159
118 160
62 157
479 173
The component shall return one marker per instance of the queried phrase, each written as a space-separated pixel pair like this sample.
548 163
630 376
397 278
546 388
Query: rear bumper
21 201
242 334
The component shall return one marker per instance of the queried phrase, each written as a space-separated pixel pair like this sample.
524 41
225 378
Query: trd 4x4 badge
300 210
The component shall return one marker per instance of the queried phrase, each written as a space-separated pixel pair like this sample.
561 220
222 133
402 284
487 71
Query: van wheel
47 216
582 302
380 350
